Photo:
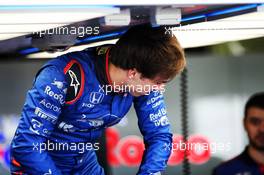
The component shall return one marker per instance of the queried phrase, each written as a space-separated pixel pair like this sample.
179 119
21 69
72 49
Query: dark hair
151 51
256 100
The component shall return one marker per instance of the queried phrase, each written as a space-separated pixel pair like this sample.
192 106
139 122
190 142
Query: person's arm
154 126
40 112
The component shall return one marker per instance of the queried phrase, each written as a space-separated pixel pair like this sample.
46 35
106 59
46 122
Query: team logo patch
75 78
96 97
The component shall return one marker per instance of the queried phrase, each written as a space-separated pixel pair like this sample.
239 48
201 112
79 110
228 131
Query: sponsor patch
75 78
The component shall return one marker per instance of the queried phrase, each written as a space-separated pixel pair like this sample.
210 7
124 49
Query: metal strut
184 118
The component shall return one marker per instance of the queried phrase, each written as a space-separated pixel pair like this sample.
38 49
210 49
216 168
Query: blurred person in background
251 160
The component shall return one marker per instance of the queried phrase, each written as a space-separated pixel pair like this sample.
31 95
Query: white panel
240 27
129 2
18 22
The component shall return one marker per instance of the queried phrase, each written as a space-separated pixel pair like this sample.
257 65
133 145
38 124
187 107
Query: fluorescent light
127 2
22 22
50 7
51 16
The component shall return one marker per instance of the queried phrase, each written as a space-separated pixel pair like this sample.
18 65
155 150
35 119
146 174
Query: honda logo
96 97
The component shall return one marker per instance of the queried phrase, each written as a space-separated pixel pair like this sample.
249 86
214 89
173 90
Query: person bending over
76 96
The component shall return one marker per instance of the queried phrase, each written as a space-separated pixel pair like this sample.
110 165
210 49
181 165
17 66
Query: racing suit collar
107 67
